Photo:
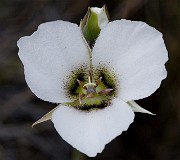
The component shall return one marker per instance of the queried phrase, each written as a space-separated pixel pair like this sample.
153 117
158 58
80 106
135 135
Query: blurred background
148 138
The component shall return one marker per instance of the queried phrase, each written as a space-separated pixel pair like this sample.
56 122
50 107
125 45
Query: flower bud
94 20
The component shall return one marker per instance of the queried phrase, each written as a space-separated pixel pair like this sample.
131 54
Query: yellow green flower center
91 92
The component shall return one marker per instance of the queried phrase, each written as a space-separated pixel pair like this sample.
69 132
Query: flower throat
87 93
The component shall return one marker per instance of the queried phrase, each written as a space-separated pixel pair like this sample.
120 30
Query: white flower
127 57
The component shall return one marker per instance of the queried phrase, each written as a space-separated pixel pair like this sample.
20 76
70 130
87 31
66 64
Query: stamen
81 97
104 92
80 83
98 81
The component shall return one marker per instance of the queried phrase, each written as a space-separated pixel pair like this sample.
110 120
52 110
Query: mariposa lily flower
94 87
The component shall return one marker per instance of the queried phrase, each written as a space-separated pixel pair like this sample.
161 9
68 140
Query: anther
98 81
104 92
80 83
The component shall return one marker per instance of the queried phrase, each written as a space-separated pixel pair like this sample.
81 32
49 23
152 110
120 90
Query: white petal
136 108
49 55
89 132
136 53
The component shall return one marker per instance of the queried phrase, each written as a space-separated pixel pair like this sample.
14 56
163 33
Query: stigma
90 88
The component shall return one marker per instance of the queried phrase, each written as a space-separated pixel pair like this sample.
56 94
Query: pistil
90 87
91 91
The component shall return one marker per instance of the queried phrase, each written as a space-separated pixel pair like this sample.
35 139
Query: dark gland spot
80 96
72 85
86 107
108 78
